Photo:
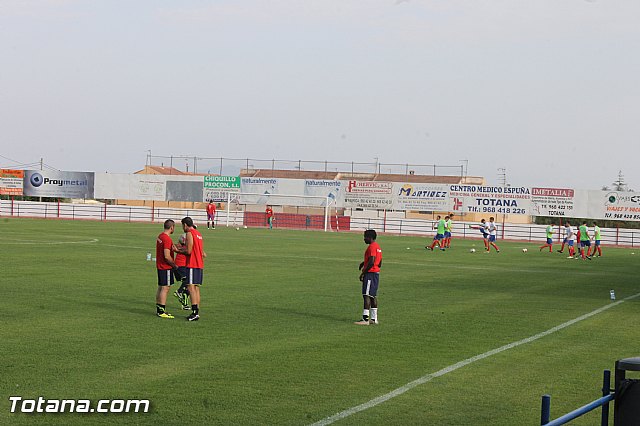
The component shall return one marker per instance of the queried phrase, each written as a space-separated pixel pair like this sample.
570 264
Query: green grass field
276 342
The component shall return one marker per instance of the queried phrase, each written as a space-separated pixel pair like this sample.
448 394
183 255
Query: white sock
365 313
374 314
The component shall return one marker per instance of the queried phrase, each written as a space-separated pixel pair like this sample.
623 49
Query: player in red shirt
195 265
181 262
211 214
269 213
370 276
166 267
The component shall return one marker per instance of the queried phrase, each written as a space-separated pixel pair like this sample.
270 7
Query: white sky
548 89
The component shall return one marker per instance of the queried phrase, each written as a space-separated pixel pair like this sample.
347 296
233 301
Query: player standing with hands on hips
370 277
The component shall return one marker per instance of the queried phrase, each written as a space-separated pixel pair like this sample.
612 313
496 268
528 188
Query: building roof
413 178
161 170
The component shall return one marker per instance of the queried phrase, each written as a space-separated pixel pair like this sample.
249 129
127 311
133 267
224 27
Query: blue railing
607 397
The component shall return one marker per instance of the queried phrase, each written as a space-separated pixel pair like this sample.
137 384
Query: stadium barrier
625 395
607 397
356 221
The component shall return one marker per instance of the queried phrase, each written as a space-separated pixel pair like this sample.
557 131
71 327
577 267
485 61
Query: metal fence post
606 390
545 412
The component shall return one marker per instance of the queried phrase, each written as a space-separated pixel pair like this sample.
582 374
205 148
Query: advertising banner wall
46 183
11 182
367 195
490 199
421 197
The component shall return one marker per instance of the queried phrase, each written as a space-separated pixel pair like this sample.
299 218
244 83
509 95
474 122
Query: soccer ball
472 250
237 229
524 250
245 227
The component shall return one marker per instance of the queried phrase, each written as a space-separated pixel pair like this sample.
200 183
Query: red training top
163 242
269 212
373 250
196 258
211 208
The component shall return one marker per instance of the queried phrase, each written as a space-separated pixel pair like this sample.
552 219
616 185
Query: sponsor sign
222 182
11 182
323 188
217 188
490 199
421 196
45 183
615 205
553 202
368 194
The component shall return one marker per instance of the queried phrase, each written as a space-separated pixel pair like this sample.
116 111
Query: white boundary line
50 243
427 378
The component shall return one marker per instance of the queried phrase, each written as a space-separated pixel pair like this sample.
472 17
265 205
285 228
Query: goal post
290 211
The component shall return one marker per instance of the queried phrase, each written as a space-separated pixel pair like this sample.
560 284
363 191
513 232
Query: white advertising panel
421 196
614 205
490 199
367 194
46 183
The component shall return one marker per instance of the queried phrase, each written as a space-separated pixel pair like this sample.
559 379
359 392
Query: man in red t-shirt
269 213
211 214
370 277
166 267
181 262
195 265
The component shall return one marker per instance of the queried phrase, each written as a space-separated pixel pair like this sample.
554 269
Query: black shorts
165 277
193 276
370 284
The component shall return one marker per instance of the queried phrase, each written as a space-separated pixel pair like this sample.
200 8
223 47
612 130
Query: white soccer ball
472 250
245 227
237 229
524 250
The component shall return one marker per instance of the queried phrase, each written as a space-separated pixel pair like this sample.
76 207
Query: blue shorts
597 242
165 277
549 241
570 242
565 241
370 284
492 238
210 216
438 237
585 243
194 276
485 235
447 234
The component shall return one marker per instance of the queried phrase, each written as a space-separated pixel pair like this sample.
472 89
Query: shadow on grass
303 314
111 303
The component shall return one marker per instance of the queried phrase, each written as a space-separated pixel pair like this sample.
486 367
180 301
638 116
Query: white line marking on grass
427 378
51 243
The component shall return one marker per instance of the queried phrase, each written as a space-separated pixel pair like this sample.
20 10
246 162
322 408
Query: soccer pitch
276 342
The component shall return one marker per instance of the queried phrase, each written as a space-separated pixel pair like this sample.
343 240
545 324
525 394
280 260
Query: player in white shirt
569 238
492 229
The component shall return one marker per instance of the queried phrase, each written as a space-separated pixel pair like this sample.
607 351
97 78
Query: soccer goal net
285 211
